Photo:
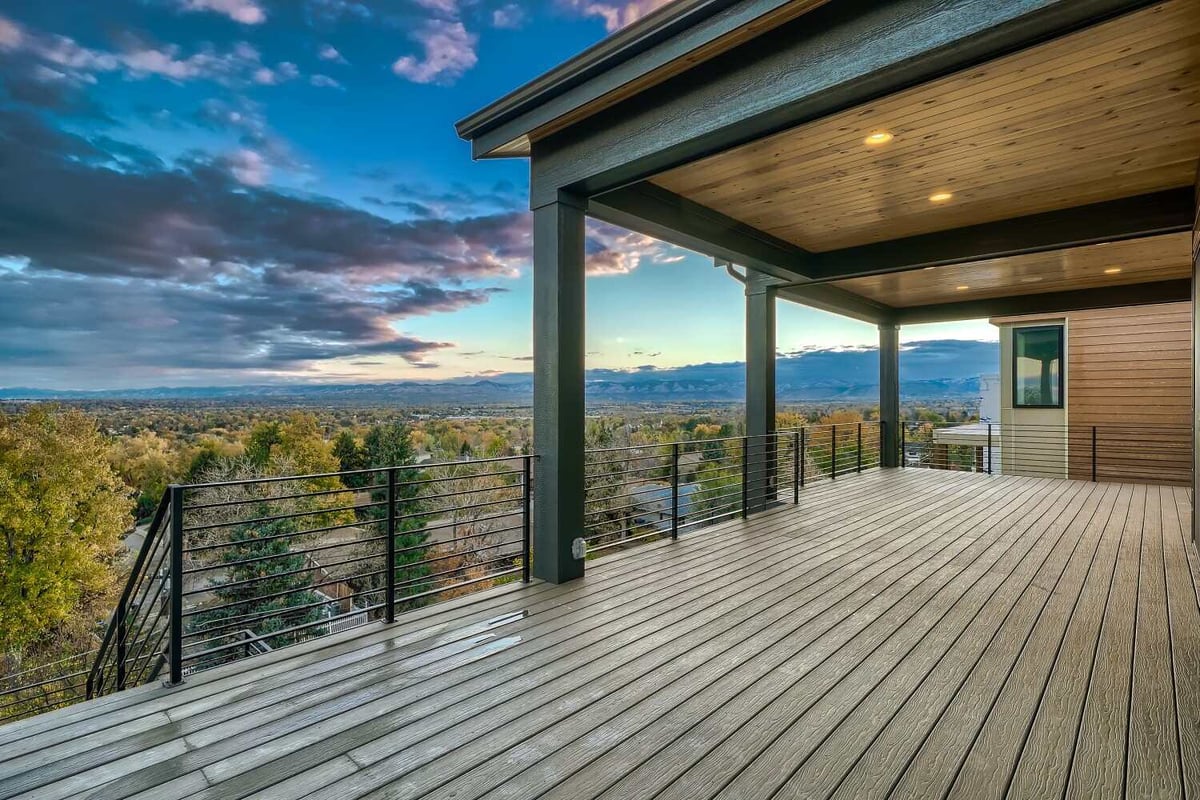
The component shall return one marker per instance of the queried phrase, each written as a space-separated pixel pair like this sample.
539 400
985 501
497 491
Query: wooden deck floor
901 634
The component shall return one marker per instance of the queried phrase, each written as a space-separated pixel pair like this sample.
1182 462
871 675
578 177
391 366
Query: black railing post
175 579
1093 454
903 446
803 454
882 438
745 476
797 466
121 649
989 450
858 461
832 452
675 490
390 548
526 539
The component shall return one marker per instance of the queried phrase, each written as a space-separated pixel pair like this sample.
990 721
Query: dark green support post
760 389
889 394
558 379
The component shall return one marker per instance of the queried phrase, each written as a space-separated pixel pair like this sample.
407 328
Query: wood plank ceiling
1107 112
1156 258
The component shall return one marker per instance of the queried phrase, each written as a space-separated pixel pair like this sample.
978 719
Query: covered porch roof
896 162
1063 163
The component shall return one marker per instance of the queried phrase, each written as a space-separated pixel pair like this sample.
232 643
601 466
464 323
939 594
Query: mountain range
936 369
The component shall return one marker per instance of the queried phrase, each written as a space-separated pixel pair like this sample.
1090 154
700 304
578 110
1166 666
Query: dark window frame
1062 366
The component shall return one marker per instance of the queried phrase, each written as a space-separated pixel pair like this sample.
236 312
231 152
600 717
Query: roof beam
1152 214
664 215
1137 294
835 300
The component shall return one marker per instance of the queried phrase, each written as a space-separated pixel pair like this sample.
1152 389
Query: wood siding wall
1129 373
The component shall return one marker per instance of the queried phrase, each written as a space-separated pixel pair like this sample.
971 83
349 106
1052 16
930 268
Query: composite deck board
897 633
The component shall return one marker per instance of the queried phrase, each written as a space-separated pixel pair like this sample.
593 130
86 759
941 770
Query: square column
889 394
760 389
558 379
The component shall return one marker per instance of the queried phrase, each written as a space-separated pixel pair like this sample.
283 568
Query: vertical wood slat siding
1127 404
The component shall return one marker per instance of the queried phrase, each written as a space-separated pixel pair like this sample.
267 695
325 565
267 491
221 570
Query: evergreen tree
263 438
259 594
352 456
389 446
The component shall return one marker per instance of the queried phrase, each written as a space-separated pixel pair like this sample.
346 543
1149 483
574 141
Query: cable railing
652 491
237 568
1125 453
233 569
44 687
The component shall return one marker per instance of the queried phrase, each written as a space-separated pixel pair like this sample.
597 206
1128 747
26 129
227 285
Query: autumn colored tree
63 509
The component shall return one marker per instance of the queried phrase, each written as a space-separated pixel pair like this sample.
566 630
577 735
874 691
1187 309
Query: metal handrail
156 624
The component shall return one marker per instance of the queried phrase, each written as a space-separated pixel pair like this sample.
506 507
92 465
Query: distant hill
947 368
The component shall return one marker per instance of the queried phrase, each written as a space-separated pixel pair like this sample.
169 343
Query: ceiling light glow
940 197
878 138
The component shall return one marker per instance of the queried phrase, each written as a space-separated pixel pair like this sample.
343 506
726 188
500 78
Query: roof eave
606 54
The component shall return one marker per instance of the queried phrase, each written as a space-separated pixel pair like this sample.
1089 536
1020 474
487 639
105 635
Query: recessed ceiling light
961 288
940 197
1032 279
1112 270
877 138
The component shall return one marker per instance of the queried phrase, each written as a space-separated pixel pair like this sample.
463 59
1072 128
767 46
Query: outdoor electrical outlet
579 549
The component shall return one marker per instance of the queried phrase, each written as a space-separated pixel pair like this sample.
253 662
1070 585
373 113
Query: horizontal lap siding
1129 370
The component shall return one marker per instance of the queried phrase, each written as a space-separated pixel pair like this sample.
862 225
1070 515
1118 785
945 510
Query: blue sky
234 191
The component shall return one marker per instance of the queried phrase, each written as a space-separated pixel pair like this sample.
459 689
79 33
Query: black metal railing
235 568
650 491
44 687
1108 452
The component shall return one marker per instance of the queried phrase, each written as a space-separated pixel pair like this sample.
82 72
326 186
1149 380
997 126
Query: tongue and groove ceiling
1108 112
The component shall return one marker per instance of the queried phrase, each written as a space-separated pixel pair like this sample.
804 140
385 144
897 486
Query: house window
1038 367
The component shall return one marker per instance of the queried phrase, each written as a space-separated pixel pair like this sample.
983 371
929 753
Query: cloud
449 51
457 200
328 52
53 59
510 16
246 12
10 35
616 251
324 82
615 15
220 271
248 167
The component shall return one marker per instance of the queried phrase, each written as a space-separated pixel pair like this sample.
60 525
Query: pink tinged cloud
616 15
449 51
510 17
10 34
328 52
67 59
248 167
246 12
